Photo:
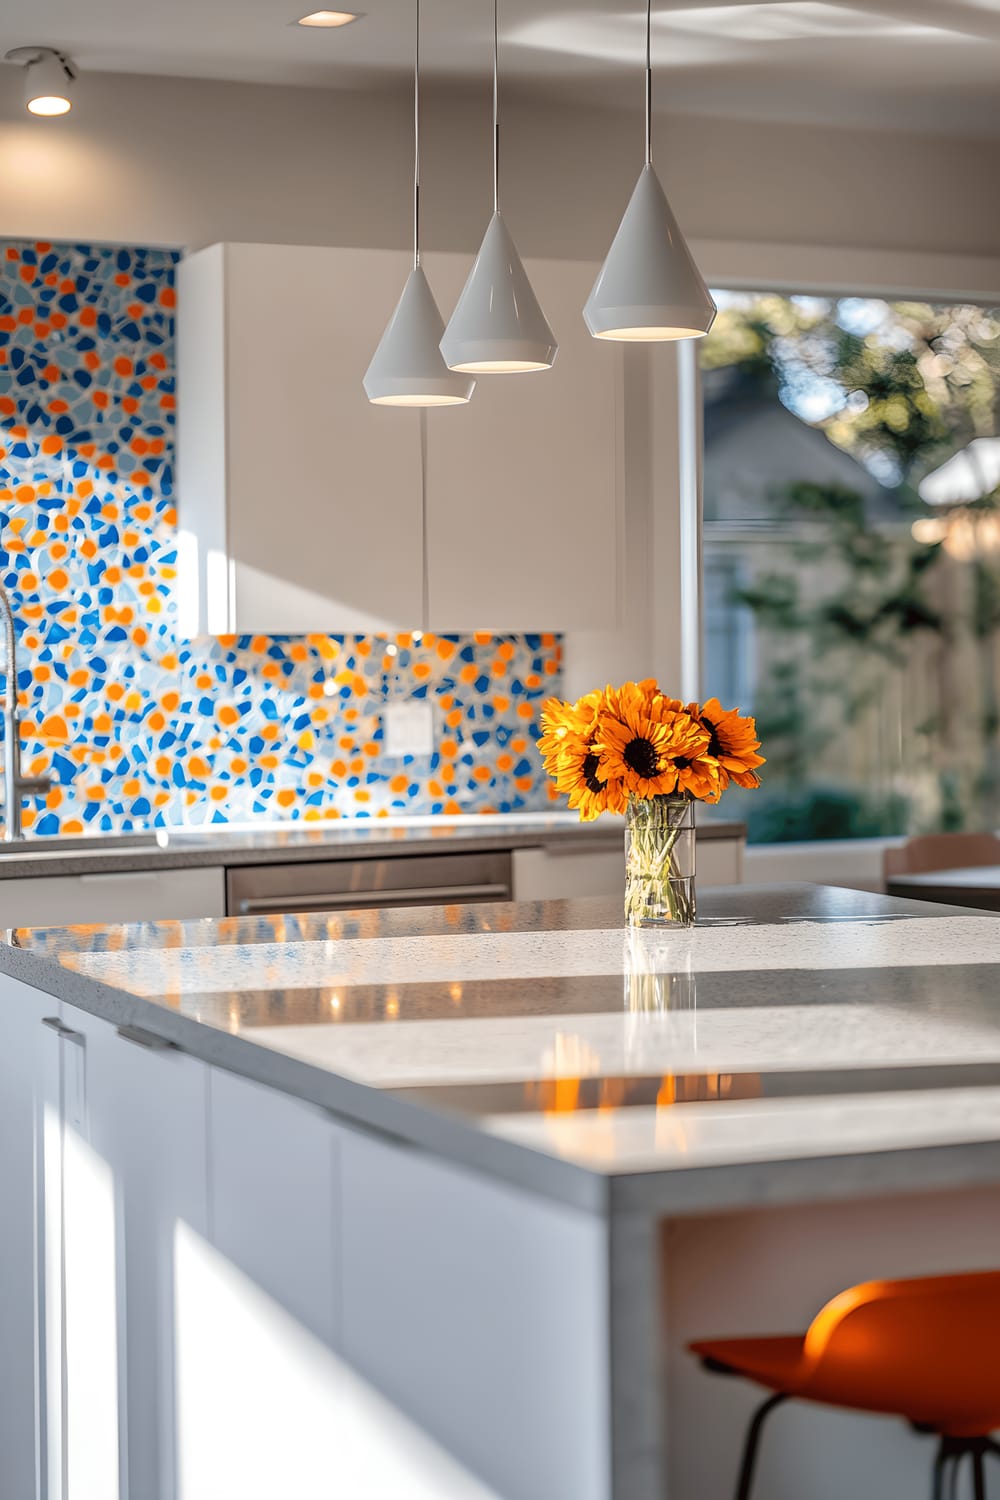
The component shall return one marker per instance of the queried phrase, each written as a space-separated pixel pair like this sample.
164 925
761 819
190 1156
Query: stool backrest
941 851
936 1337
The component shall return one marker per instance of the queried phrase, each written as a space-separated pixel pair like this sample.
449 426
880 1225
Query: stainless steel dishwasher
339 884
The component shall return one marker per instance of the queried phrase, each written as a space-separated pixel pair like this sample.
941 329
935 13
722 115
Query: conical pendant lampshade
498 327
407 368
649 288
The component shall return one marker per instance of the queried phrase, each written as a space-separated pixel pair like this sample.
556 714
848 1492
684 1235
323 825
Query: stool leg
940 1461
978 1474
752 1443
947 1464
956 1469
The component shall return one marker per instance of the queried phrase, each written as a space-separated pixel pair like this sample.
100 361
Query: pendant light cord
416 142
649 82
496 106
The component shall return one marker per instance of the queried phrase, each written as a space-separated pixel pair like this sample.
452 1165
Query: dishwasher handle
435 895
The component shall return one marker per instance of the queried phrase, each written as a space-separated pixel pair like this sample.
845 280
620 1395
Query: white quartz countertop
800 1041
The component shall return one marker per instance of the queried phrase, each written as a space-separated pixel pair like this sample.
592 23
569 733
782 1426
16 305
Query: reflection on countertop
794 1023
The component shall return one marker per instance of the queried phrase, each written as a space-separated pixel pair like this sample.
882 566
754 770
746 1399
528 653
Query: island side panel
482 1311
638 1358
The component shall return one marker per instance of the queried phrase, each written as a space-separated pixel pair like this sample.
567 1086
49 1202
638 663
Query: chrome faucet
15 786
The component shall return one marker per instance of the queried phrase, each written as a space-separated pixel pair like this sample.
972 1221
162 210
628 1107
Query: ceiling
929 65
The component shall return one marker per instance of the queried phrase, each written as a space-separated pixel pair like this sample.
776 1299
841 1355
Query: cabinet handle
66 1033
332 900
140 1037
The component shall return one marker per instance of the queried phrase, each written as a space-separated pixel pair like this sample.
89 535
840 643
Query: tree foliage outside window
874 614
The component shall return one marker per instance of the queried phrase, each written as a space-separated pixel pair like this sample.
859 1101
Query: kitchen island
478 1173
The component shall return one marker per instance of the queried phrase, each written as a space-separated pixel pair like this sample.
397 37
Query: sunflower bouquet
633 750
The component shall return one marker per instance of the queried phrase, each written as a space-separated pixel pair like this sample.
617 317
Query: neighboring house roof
754 445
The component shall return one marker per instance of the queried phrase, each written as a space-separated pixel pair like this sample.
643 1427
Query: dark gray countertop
801 1042
172 849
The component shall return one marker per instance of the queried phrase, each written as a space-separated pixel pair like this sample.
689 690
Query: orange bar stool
924 1350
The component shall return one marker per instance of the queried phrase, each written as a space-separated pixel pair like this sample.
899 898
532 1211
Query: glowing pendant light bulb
497 327
407 368
649 288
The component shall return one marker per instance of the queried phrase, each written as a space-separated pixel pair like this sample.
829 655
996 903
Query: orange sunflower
564 723
571 759
733 743
648 742
700 777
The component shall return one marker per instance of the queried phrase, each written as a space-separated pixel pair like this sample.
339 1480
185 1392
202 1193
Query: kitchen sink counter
219 844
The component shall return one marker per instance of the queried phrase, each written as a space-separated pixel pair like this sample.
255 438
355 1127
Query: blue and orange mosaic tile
137 727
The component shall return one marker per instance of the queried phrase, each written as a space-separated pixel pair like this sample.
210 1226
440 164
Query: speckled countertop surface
359 838
800 1041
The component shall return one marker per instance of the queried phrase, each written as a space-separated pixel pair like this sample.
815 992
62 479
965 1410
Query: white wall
187 162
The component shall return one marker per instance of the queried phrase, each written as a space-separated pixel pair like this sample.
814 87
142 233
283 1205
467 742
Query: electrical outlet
408 728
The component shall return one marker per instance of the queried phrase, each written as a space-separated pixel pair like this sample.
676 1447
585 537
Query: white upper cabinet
302 506
299 502
524 485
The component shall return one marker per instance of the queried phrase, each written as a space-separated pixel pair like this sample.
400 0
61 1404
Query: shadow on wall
137 727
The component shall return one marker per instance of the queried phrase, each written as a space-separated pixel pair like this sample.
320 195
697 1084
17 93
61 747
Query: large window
852 558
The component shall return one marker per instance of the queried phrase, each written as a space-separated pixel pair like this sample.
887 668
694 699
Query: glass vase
660 862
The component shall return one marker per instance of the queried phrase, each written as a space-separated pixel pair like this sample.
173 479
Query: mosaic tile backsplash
136 727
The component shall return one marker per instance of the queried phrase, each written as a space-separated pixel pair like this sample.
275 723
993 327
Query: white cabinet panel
268 1404
720 862
29 1122
268 1411
273 1173
138 896
524 485
561 872
299 501
482 1312
136 1169
93 1282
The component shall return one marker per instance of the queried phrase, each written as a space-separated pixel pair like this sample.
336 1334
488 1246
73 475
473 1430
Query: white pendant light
48 79
649 288
407 368
497 327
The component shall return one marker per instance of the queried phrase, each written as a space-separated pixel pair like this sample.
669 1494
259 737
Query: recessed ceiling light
328 18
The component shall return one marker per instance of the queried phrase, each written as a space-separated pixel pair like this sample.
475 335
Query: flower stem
659 884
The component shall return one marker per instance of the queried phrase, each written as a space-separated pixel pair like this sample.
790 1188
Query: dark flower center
641 757
714 746
590 765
